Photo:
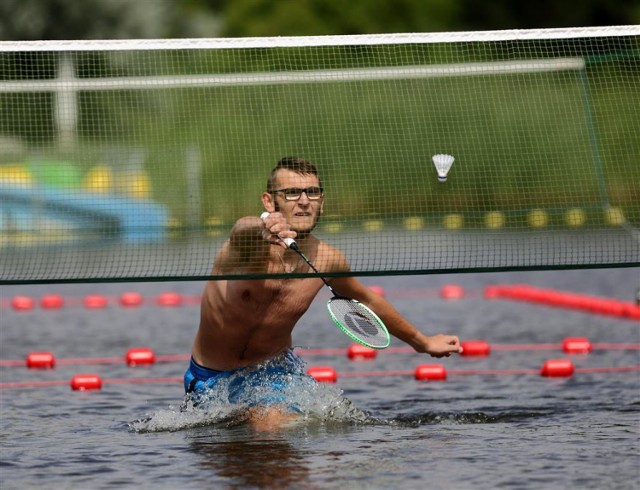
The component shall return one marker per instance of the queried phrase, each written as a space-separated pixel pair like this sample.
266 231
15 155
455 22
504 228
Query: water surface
471 431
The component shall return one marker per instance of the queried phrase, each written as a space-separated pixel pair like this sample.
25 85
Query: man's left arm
436 345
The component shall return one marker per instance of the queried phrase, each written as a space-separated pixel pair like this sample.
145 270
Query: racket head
358 322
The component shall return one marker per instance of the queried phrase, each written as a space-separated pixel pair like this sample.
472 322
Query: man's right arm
244 250
246 237
248 245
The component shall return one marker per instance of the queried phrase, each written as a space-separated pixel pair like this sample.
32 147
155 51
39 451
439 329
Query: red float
95 302
617 308
169 299
518 291
323 374
593 304
130 299
40 360
139 356
86 382
475 348
557 368
451 291
492 292
573 300
632 311
576 345
357 352
51 302
430 372
22 303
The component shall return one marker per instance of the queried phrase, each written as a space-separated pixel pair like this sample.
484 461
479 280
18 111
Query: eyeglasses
294 193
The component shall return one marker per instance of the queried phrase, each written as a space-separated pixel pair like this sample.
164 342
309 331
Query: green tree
118 19
88 19
105 19
322 17
507 14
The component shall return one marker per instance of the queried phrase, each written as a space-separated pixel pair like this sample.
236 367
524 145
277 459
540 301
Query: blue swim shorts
267 383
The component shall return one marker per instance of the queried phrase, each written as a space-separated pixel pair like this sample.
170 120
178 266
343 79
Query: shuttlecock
443 164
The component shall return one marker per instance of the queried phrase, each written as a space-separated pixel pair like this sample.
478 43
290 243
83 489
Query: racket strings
359 322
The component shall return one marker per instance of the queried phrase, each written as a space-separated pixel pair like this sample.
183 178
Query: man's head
295 189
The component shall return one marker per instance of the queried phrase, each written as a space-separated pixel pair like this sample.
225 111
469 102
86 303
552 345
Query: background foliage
246 116
98 19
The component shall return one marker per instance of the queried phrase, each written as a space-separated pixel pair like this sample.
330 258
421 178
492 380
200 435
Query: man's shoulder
324 247
331 258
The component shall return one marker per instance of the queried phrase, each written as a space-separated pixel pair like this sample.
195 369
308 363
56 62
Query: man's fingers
455 342
277 228
282 230
446 345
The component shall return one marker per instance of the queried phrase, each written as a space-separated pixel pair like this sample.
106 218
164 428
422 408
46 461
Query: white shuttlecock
443 164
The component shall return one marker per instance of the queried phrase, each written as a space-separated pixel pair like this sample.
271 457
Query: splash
280 382
463 418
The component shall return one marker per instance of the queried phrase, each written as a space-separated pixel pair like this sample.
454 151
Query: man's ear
268 201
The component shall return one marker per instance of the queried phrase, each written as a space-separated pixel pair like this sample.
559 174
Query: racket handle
289 242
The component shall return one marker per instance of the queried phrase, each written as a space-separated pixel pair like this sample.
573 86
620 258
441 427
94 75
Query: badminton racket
356 320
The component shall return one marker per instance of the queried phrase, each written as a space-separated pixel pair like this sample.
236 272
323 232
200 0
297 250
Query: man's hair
295 164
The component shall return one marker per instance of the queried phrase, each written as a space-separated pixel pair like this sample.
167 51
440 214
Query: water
471 431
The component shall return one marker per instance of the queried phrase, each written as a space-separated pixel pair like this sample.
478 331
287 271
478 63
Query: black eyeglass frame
299 192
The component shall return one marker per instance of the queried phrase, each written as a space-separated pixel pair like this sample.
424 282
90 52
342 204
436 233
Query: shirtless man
244 322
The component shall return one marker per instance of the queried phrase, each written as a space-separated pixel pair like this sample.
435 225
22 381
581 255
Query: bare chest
269 296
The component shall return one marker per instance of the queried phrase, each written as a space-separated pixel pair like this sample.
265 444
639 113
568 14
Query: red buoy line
133 357
564 299
144 356
450 292
86 382
100 301
478 348
553 368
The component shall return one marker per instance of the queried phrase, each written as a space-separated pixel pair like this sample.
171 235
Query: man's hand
437 345
276 229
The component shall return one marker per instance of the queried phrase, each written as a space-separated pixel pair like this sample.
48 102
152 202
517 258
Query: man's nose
304 199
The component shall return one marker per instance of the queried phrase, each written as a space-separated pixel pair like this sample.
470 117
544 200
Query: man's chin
304 231
301 235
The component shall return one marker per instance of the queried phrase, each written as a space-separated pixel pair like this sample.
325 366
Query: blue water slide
84 215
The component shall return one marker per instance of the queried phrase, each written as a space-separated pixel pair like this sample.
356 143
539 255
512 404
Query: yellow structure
614 216
135 184
213 224
373 225
413 223
575 217
453 221
333 227
538 218
16 174
494 220
99 179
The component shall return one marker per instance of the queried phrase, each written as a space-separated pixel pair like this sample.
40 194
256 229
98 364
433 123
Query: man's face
301 214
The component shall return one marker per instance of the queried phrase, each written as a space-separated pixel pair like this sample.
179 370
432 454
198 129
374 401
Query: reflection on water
254 463
244 456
